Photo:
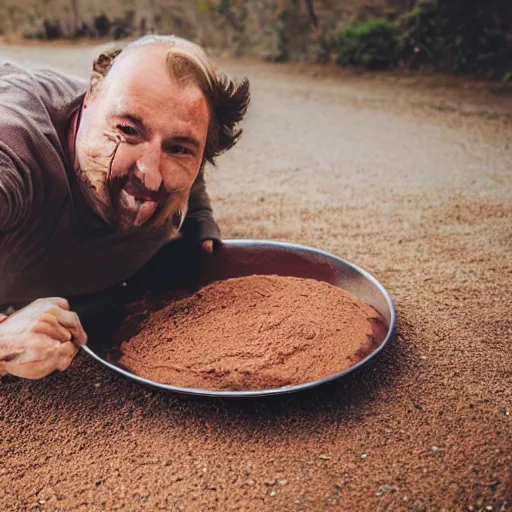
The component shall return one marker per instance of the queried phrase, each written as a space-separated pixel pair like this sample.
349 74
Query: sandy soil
261 332
410 179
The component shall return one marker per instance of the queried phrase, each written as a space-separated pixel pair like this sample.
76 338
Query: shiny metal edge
284 389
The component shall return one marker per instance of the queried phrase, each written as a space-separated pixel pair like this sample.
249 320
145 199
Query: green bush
442 35
369 45
446 35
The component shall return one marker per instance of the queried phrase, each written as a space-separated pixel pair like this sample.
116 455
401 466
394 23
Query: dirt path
410 179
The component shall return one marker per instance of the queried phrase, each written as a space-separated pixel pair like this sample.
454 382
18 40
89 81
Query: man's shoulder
48 88
35 108
36 102
38 74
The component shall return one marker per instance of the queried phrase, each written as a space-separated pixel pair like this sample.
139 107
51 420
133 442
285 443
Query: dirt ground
409 178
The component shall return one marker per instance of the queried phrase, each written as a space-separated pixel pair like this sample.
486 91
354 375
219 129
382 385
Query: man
95 180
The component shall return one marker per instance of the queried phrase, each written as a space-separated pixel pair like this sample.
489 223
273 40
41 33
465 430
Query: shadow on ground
92 391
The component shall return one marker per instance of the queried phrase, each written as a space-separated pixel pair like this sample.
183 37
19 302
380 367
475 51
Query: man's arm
199 225
15 194
39 339
43 336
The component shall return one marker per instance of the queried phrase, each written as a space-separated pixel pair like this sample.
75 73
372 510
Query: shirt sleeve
15 194
199 223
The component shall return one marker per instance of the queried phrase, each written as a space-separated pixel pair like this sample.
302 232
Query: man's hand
39 339
208 246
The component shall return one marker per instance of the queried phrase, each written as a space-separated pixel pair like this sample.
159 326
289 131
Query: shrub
369 45
455 36
450 38
102 25
52 29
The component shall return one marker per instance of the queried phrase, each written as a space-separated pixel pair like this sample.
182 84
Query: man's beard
122 218
167 213
104 195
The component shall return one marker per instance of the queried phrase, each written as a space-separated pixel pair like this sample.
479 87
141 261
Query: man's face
141 142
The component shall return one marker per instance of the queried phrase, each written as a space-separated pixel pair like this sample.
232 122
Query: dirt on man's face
141 141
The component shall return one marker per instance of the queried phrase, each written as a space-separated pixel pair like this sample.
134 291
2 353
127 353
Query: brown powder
255 332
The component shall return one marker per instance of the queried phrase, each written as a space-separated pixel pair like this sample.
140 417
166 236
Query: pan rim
284 389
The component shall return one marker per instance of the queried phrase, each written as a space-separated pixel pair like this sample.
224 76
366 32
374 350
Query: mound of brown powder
255 332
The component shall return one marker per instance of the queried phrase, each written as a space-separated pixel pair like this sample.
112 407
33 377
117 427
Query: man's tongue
144 208
146 211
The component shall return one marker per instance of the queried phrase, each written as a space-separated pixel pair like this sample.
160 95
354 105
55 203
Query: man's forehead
149 96
136 98
137 66
142 74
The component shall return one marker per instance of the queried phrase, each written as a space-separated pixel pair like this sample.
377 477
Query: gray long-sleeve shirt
51 242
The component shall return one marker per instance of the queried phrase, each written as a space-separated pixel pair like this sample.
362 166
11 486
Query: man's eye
179 150
127 130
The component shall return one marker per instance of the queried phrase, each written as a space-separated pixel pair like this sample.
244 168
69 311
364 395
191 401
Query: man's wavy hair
186 61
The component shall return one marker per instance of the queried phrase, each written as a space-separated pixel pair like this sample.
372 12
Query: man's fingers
32 371
58 301
52 328
67 351
41 361
70 320
208 246
36 362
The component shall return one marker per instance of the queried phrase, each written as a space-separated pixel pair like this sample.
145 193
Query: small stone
488 507
364 456
406 498
273 493
283 482
97 384
436 449
324 457
385 489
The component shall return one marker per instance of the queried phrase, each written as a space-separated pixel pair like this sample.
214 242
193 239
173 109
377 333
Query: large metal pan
239 258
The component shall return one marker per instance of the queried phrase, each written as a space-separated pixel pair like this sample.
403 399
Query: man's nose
148 168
